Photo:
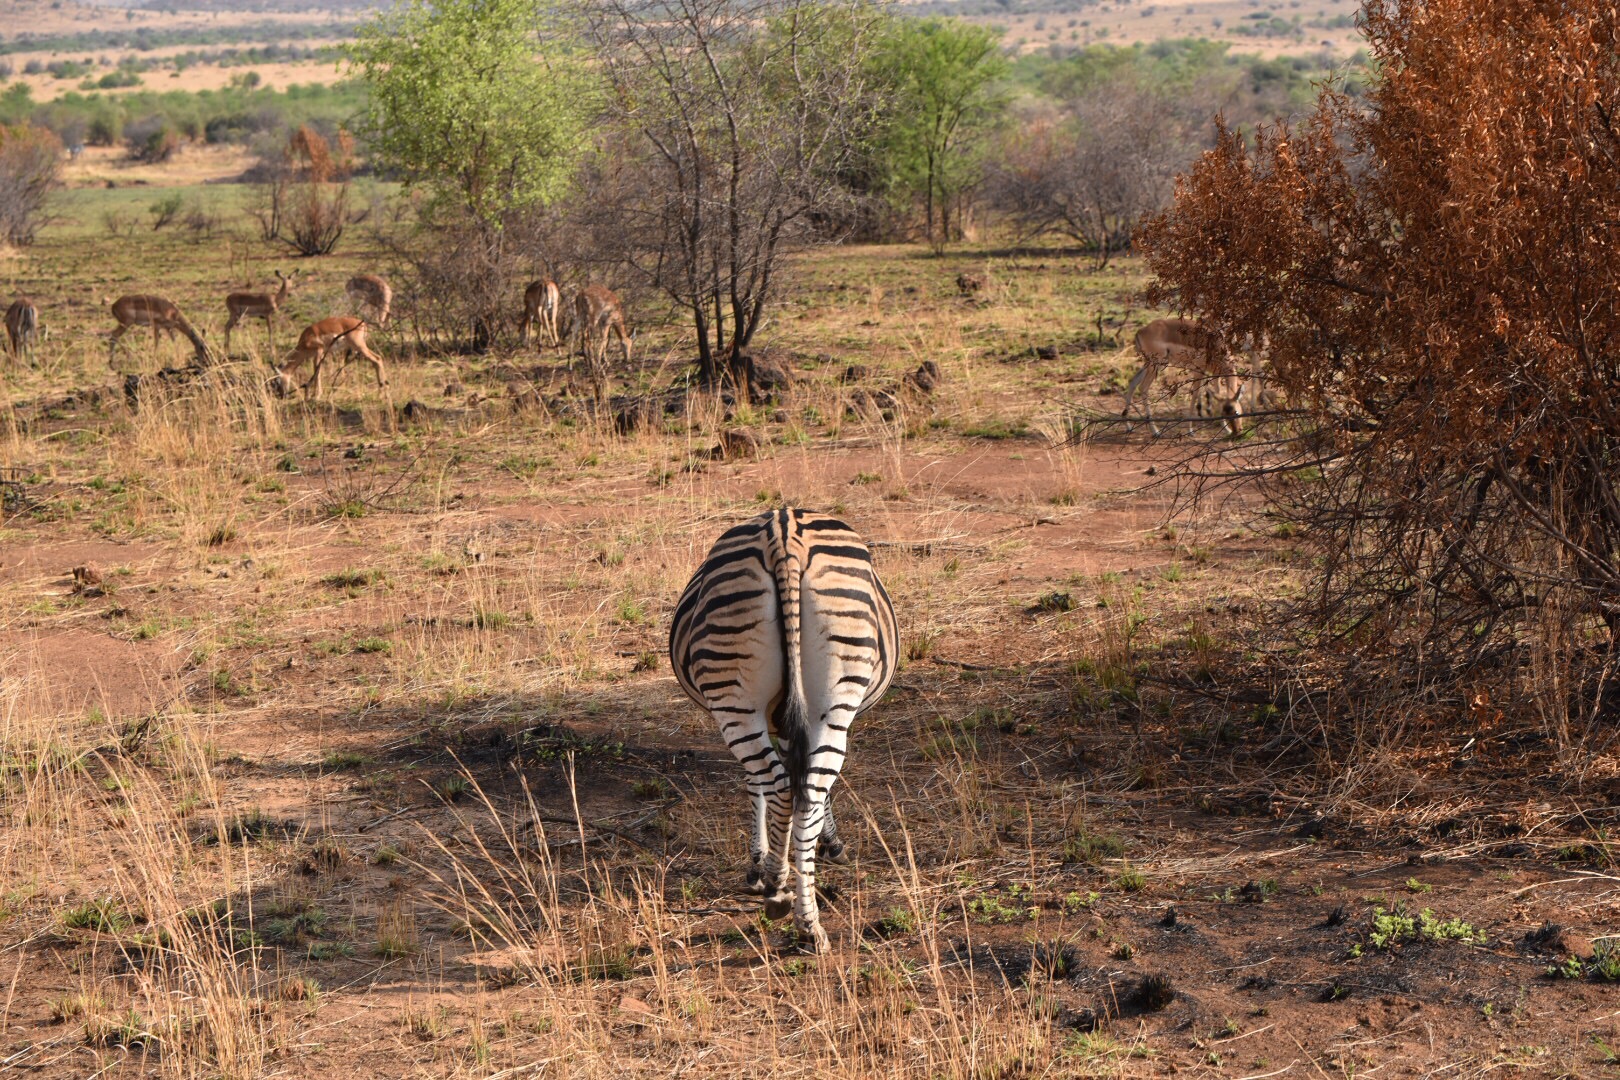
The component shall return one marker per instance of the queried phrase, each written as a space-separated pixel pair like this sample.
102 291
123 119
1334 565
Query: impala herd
597 316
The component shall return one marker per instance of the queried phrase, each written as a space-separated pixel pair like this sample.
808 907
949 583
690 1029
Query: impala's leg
230 324
1144 375
112 342
315 377
1142 383
624 338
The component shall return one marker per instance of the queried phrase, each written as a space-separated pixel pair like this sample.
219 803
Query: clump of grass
1153 993
103 916
396 932
487 619
353 579
339 760
1092 848
1055 602
652 788
899 920
1131 879
996 428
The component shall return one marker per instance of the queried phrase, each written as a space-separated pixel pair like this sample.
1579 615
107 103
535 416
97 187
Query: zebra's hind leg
778 900
830 848
759 836
808 822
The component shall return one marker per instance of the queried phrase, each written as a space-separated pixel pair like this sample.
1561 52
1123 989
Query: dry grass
355 759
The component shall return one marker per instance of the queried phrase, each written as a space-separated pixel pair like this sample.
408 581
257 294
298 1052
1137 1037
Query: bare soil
368 674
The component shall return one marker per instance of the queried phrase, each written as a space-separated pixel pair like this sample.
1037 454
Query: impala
542 302
22 325
319 341
256 305
372 295
1183 343
597 312
159 314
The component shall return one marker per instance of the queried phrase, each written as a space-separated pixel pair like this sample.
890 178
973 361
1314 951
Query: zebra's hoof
778 907
836 852
813 939
756 882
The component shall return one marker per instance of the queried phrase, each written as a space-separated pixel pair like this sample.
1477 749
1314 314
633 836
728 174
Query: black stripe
840 551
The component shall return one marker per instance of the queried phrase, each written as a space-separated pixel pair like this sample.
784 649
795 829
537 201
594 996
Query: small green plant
990 910
899 920
330 950
1569 968
1092 848
1075 902
339 760
1131 879
1393 927
1605 964
374 645
631 613
103 916
652 788
1413 885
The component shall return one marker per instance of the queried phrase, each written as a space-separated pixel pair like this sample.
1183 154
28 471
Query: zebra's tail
792 719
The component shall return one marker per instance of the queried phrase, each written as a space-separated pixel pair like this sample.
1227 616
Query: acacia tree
1438 275
941 78
732 120
485 104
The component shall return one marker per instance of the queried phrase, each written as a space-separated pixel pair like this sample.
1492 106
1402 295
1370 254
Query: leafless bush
734 121
301 191
461 282
317 208
1092 172
30 166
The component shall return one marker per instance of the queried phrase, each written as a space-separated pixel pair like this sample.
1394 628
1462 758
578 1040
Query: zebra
785 635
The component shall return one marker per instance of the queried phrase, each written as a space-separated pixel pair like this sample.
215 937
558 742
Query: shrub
30 167
1424 268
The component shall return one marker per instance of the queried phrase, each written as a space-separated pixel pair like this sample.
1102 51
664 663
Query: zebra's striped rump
785 634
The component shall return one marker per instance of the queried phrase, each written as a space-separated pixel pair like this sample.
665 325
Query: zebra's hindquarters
785 631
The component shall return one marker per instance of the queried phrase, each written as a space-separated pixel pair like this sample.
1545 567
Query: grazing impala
542 302
22 325
319 341
372 295
159 314
1185 344
256 305
598 311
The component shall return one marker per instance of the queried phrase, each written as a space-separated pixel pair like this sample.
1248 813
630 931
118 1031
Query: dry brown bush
30 166
1438 276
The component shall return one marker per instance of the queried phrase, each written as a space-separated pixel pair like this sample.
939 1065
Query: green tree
484 101
943 78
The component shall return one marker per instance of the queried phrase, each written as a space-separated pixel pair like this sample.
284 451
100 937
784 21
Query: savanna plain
338 738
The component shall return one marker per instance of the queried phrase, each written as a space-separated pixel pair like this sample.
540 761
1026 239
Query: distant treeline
1248 88
234 114
143 38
